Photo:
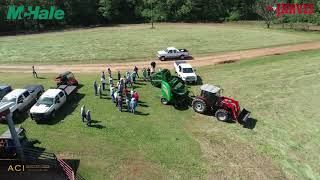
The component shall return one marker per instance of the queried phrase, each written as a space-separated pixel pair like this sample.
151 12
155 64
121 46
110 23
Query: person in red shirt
135 96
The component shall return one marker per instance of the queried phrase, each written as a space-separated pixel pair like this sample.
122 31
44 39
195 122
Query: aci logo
34 12
290 8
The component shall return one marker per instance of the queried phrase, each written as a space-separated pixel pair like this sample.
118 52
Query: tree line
93 12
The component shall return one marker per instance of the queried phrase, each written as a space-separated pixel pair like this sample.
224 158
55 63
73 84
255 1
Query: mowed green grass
164 143
127 42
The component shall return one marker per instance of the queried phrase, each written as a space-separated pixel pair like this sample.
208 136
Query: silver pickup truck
172 53
21 99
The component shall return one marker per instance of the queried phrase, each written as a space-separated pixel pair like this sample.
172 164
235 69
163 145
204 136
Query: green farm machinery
173 89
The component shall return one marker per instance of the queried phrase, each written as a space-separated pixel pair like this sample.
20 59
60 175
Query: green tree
264 9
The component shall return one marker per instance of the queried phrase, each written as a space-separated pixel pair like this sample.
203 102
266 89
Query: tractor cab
211 93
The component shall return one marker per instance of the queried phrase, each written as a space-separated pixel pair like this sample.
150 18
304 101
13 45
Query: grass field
164 143
127 42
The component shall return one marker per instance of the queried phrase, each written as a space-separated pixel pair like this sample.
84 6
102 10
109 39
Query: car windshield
9 99
46 101
187 70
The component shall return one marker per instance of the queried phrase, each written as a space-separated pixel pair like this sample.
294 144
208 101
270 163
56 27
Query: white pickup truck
50 102
185 72
172 53
21 99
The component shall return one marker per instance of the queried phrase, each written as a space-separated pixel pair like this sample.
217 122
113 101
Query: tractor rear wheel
199 106
222 115
164 101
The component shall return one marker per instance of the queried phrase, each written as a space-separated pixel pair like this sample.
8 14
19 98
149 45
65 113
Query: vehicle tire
30 115
162 58
199 106
222 115
53 114
164 101
182 57
39 94
15 114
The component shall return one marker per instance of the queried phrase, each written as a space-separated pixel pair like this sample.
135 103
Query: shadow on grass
65 110
141 113
139 83
41 78
94 124
142 104
182 103
175 59
80 86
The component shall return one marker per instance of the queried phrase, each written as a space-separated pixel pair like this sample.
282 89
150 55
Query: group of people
120 93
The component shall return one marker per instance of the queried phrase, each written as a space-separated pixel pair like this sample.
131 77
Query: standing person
127 74
103 81
83 112
100 91
119 102
128 103
133 105
34 73
153 67
112 91
149 73
103 76
127 95
110 81
119 75
126 91
120 87
109 72
95 88
128 80
88 118
133 76
115 97
135 69
144 73
135 96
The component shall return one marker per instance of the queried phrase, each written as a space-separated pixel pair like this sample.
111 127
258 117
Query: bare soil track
227 57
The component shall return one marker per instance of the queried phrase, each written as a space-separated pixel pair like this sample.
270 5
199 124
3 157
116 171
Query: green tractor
173 89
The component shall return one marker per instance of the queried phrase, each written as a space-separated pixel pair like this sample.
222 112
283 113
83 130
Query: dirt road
196 62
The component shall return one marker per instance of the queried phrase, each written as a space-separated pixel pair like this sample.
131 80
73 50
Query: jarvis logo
34 12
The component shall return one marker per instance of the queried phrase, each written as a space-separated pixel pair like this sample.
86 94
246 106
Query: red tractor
224 108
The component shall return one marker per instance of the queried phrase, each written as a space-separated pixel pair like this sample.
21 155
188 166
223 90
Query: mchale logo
34 12
290 8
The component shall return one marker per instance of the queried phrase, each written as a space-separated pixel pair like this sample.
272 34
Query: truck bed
69 90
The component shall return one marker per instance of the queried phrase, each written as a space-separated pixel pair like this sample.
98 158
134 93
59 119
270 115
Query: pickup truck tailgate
68 89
